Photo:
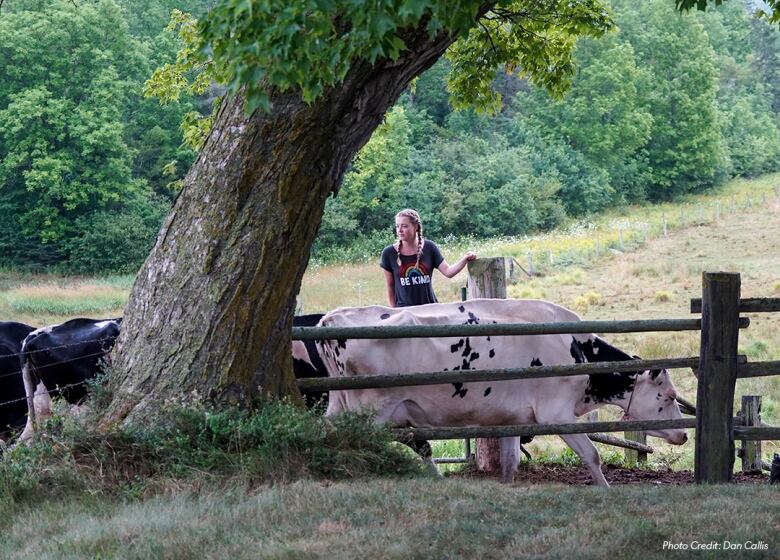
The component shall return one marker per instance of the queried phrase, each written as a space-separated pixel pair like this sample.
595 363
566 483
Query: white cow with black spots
645 395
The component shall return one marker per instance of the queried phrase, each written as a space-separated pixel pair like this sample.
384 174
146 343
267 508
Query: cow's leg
510 456
423 449
583 447
409 413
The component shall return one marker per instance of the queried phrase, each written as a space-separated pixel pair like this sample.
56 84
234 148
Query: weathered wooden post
632 455
682 217
750 452
714 450
666 227
487 279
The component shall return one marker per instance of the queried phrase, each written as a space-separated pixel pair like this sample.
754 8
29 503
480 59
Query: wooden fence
718 366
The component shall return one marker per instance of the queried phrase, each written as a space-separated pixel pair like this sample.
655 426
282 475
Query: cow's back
68 354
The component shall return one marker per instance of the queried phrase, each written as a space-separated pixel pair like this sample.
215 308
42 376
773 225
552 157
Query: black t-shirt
412 284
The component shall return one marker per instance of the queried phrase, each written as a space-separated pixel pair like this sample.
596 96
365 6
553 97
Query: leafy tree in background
61 131
77 140
685 151
602 117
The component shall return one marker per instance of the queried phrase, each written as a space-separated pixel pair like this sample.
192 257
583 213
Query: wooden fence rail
543 429
535 372
757 369
505 329
739 432
746 305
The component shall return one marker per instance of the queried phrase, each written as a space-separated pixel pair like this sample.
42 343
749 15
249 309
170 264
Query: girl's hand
470 256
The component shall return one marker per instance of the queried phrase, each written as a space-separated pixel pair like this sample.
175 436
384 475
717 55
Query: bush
276 442
115 242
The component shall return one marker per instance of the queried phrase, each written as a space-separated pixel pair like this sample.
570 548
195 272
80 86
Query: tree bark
210 314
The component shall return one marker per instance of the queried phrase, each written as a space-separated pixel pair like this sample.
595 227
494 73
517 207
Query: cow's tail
29 391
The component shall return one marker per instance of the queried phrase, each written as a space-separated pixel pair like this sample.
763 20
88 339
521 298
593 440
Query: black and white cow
13 405
306 360
60 359
308 364
646 395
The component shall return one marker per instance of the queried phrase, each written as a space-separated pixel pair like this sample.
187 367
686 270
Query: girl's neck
408 249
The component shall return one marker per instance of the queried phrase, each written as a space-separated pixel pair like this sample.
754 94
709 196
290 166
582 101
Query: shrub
115 242
276 442
662 296
594 298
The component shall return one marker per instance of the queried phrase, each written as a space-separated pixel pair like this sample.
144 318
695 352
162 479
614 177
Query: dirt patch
580 476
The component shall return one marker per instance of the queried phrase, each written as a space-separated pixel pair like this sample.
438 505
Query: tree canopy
659 106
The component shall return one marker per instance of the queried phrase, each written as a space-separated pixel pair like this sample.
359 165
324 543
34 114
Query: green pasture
397 518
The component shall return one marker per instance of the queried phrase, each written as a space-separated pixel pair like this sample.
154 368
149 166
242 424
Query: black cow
60 359
13 406
306 360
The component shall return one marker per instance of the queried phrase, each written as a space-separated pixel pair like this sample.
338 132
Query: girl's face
405 229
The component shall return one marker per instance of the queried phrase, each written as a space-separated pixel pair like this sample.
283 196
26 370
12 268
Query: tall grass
58 300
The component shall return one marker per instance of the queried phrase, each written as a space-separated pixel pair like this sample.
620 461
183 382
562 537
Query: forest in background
667 105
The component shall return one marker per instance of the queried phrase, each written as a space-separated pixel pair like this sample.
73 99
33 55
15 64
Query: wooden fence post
750 453
714 450
487 279
633 456
666 230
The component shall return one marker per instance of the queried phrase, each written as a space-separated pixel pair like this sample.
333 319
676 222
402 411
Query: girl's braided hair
415 218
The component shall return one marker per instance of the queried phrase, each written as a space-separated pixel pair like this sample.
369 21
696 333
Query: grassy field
396 518
648 275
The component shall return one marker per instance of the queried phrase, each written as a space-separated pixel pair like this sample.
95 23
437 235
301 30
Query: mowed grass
391 518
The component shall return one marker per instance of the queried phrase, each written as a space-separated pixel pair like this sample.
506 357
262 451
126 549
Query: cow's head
655 398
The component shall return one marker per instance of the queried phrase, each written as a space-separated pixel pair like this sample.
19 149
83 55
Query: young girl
409 262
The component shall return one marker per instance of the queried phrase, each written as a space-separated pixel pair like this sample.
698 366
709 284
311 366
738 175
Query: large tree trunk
210 314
